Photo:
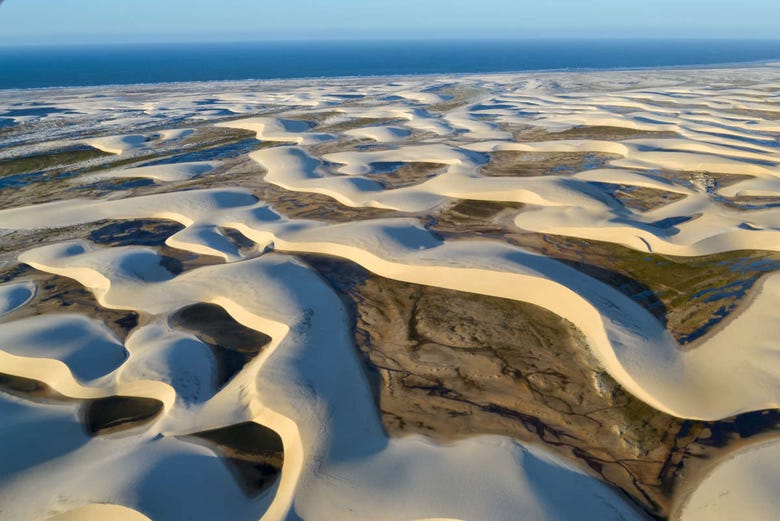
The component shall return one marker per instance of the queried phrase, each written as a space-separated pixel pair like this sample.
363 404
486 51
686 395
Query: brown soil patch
409 174
603 133
451 365
532 164
58 294
640 198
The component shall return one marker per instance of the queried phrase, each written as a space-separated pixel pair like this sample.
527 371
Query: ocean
45 66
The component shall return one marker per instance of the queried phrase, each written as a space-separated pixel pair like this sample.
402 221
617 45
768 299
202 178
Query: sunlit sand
704 144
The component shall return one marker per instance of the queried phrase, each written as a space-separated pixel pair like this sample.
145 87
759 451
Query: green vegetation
601 132
314 117
690 294
512 163
481 209
641 198
409 174
210 136
50 160
459 97
356 123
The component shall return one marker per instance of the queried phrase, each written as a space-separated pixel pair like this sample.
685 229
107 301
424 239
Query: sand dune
96 512
336 437
119 144
744 483
663 131
164 173
283 130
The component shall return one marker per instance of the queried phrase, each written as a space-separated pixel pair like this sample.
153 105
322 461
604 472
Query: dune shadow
26 441
232 343
119 413
193 486
253 453
87 353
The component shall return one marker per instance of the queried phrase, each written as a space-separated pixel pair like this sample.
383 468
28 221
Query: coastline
363 65
759 64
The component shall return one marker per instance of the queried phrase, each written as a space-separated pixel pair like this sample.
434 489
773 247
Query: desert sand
113 426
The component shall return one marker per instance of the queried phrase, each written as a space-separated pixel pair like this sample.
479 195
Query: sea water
44 66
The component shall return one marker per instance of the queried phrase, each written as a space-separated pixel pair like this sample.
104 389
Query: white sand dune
754 187
136 144
382 134
165 173
50 465
745 484
119 144
661 374
99 512
426 98
283 130
305 404
560 205
307 384
85 345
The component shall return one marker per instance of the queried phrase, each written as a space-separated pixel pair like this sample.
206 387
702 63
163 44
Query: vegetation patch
533 164
55 159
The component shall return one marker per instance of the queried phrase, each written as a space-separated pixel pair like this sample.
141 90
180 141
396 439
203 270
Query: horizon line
185 41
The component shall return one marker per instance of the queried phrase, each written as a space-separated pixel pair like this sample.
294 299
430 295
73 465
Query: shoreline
752 64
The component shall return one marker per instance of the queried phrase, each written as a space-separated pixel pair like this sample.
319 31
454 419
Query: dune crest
238 390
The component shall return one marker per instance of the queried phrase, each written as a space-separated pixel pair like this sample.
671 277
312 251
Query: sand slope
666 131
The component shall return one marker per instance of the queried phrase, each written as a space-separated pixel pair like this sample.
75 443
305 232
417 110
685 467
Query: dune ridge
307 384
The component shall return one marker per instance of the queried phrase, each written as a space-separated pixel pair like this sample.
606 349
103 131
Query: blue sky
91 21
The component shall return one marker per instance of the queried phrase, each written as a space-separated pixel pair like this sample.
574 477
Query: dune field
547 296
